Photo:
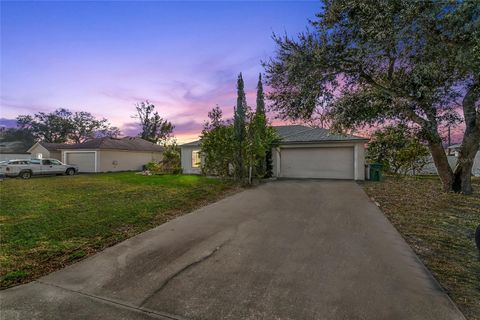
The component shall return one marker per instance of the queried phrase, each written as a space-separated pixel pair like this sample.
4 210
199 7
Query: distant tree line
59 126
65 126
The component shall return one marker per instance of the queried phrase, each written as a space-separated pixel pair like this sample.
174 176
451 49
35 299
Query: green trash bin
376 171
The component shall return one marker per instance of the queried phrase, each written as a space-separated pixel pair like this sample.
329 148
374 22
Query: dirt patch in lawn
440 228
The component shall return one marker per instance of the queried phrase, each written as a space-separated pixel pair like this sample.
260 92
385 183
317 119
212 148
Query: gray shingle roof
127 143
13 147
54 146
304 134
285 131
195 143
455 146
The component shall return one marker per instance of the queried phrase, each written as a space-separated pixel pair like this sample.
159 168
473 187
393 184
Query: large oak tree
373 62
63 125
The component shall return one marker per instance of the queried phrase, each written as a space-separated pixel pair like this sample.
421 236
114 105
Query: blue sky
103 57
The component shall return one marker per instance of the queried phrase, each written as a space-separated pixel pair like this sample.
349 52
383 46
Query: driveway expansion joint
155 314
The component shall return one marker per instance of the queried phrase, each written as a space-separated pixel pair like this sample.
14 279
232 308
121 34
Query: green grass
440 228
47 223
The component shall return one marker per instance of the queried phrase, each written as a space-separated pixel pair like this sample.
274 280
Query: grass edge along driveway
48 223
440 228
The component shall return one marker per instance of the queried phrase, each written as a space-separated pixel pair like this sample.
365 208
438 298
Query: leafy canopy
153 127
63 125
375 62
398 149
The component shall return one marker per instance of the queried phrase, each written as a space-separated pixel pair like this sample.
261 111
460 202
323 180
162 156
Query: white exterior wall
186 159
476 165
358 154
38 150
359 161
118 160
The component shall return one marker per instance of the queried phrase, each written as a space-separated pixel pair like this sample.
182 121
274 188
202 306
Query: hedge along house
303 152
102 154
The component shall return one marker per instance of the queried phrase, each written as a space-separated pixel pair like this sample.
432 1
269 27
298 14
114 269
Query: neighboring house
112 154
303 152
452 156
430 167
10 150
454 149
47 150
102 154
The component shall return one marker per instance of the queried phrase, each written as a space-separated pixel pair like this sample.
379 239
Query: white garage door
325 163
84 160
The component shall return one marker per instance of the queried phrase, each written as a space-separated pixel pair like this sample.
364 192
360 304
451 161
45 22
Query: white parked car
26 168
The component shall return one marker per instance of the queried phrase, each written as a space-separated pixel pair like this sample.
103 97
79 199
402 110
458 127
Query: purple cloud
8 123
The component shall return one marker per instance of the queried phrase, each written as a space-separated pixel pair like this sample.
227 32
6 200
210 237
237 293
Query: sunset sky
103 57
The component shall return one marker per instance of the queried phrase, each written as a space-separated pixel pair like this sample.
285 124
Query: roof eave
108 149
324 141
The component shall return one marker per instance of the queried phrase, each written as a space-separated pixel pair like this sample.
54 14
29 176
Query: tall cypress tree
260 126
239 128
260 97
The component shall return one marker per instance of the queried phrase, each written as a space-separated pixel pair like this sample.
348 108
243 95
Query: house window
196 160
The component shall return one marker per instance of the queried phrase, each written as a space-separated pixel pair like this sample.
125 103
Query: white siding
121 160
39 151
476 165
186 158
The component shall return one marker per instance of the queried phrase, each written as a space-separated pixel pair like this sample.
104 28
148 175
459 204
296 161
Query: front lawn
47 223
440 228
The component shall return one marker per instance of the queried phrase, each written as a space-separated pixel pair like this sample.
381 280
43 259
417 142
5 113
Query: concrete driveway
284 250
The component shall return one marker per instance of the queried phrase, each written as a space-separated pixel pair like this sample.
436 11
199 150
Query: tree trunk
471 141
441 163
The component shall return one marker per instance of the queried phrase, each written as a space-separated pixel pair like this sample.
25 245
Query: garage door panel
325 163
84 160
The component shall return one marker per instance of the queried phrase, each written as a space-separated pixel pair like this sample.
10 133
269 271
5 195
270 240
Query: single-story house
103 154
47 150
303 152
10 150
452 157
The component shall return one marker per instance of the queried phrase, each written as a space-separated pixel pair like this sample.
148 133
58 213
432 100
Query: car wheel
25 175
70 172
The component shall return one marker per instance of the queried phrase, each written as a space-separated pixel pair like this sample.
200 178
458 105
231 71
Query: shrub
171 159
153 167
